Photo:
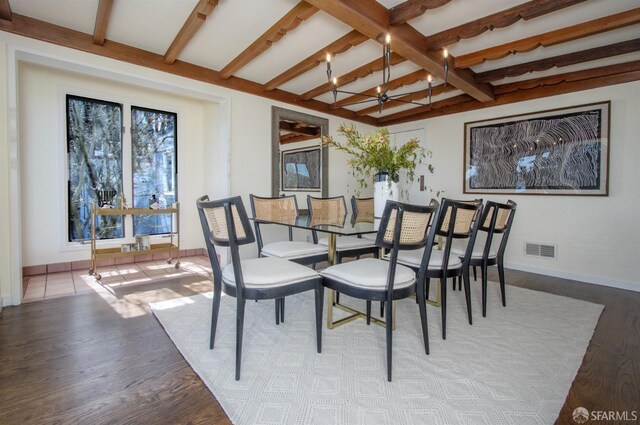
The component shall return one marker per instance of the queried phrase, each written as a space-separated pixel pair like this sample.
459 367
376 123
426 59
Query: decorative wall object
557 152
301 169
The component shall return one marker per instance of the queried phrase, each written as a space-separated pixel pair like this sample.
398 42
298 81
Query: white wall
41 97
598 238
5 258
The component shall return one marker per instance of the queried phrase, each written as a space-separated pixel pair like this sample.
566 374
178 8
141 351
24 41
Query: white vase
384 189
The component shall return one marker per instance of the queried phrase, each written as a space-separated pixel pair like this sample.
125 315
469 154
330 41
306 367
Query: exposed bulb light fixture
381 95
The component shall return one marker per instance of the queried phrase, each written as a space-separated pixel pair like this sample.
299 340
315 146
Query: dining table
334 226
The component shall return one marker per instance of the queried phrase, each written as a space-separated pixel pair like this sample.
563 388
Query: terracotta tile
125 260
104 262
81 265
62 290
59 278
58 267
33 294
34 270
41 278
144 257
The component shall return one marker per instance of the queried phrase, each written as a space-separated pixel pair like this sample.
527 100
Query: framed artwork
557 152
302 169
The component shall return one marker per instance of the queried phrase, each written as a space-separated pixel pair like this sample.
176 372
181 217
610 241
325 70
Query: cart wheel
91 272
169 260
178 265
98 276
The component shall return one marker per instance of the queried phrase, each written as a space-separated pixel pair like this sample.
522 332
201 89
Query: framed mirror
299 162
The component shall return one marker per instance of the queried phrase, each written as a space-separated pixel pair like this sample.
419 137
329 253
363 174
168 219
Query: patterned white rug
513 367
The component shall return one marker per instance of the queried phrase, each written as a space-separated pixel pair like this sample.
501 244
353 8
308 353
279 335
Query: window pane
94 148
153 136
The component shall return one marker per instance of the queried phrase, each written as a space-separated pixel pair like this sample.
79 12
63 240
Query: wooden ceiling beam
561 61
524 90
395 84
529 10
55 34
372 19
563 35
295 127
300 13
341 45
361 72
5 10
102 21
411 9
190 27
294 137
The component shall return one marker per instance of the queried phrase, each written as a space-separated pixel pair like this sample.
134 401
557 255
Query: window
153 137
94 158
97 147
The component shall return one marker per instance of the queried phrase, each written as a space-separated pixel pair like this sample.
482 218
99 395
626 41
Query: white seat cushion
458 248
292 249
268 272
413 258
370 237
370 273
348 242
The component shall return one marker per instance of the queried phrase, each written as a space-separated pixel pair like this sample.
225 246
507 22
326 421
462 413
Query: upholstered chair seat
268 272
370 273
293 250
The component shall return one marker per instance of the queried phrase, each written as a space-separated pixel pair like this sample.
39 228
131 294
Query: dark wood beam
341 45
102 21
55 34
395 84
295 137
372 19
5 10
361 72
529 10
189 29
524 90
411 9
561 61
299 128
300 13
563 35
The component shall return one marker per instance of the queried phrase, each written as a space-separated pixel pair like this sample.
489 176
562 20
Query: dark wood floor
80 360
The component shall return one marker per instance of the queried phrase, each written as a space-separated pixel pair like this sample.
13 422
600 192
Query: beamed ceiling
501 51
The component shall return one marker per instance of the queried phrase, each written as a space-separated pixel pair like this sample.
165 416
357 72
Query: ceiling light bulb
445 53
379 89
328 57
429 78
387 39
335 81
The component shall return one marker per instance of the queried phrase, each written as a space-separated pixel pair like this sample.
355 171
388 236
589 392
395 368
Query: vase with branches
373 157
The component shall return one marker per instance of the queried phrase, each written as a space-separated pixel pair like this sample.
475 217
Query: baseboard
612 283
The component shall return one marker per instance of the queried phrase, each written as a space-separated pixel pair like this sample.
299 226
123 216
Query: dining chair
346 246
490 244
363 208
225 223
283 208
402 226
457 220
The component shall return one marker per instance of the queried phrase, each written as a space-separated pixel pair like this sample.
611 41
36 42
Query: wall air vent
533 249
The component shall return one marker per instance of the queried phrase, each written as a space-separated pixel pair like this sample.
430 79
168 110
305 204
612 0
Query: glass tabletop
347 225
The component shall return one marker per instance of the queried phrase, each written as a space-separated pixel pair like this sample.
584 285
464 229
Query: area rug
513 367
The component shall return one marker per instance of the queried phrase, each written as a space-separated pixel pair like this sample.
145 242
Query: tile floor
78 282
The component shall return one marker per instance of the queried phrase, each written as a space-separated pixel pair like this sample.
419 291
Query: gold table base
355 314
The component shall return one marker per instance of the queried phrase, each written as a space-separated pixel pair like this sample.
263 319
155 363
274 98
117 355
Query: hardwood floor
103 358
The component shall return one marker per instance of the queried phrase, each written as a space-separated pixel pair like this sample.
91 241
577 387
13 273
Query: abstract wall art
558 152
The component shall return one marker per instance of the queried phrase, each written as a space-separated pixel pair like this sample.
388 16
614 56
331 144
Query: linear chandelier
381 96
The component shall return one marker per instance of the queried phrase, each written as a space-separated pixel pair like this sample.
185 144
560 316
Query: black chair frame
239 290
